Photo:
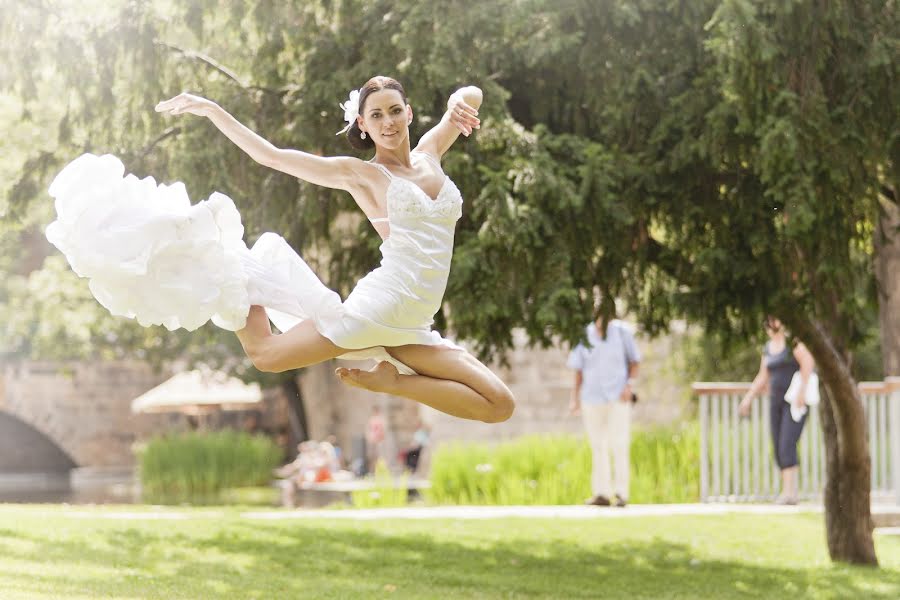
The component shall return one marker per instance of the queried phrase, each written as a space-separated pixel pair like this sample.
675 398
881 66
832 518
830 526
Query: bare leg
300 347
789 492
255 330
449 380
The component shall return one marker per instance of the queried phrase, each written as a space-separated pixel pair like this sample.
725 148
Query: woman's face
773 326
386 118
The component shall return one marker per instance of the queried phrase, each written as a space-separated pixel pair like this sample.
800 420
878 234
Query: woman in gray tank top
776 369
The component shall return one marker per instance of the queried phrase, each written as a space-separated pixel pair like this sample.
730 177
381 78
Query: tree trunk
848 483
296 414
887 272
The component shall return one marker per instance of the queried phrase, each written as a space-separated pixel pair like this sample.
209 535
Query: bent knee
264 362
502 407
262 365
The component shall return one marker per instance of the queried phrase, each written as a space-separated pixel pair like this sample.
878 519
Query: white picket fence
736 457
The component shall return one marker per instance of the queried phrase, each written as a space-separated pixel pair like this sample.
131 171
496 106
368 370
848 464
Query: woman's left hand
187 103
463 115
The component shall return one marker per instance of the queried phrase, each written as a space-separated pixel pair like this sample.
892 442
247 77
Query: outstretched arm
338 172
759 384
461 117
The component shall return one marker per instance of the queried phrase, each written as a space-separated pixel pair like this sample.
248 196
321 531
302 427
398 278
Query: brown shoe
620 501
598 501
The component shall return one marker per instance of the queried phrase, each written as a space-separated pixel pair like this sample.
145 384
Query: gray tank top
781 367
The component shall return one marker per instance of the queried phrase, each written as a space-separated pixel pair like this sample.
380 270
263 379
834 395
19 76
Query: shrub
556 469
197 467
386 492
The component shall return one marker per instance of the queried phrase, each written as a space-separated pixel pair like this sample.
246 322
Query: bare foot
381 378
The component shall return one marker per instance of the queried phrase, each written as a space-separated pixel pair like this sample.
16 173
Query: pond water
57 488
44 488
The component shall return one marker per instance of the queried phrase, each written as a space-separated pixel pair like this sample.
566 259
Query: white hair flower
351 110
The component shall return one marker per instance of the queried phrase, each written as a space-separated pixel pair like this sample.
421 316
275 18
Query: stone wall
85 408
542 385
539 379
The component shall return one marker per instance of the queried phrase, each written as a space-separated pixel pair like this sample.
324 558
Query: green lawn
81 552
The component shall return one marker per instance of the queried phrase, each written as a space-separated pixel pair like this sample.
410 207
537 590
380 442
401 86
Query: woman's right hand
187 103
462 114
744 407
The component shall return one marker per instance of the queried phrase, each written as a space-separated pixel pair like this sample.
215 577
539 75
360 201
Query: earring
362 135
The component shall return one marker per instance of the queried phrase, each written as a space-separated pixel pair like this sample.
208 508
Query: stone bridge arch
83 408
24 449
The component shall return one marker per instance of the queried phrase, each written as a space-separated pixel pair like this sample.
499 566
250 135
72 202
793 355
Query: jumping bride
403 192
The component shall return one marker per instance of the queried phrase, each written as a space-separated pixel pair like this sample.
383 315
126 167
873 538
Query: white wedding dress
151 255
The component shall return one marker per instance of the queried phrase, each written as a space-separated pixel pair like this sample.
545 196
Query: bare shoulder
369 187
369 175
356 174
356 168
428 150
801 351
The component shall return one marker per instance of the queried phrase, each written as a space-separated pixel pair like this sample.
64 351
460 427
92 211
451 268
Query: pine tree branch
170 132
229 73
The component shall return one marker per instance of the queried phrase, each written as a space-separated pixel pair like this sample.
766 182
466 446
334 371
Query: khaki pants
608 428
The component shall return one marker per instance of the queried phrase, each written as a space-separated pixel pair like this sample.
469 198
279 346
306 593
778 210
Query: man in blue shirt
606 369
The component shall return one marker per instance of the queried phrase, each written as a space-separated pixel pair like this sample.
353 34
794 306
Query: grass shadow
249 559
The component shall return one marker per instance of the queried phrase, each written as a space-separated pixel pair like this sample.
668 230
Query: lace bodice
407 200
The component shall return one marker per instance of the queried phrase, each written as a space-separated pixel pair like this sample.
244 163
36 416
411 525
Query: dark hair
604 311
377 83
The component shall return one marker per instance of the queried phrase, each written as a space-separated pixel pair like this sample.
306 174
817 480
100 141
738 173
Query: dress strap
383 169
390 176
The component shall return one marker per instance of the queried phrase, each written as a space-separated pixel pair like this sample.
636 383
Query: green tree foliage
715 159
680 156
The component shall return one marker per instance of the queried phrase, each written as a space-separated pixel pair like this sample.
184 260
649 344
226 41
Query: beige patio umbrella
198 393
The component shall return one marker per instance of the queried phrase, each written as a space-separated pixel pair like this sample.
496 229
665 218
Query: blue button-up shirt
604 363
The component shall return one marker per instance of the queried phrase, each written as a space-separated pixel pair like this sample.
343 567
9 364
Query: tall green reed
555 469
197 467
386 491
